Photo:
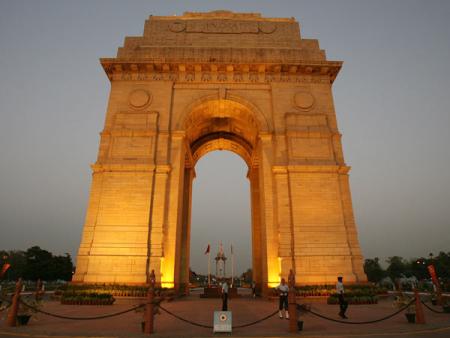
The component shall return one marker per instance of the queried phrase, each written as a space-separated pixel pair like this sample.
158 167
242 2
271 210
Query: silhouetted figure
343 304
225 295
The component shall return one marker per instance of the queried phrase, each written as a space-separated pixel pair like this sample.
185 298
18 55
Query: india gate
220 80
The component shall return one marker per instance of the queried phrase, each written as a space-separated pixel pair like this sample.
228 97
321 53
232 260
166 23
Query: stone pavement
244 310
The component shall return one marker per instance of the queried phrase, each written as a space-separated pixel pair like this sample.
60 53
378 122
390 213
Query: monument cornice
198 71
223 14
110 167
341 169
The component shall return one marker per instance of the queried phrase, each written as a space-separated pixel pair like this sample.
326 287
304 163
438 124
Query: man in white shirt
283 290
343 304
225 295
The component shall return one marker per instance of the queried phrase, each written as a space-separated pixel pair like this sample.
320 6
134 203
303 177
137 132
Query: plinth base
214 291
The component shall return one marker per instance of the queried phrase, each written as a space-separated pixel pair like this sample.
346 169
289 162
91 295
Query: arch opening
221 214
221 125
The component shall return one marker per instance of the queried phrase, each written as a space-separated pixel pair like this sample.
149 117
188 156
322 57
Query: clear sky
392 101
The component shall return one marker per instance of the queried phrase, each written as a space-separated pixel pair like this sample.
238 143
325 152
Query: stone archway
220 80
223 124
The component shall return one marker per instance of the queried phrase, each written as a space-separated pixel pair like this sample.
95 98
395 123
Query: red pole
292 304
39 292
148 329
420 317
435 279
11 320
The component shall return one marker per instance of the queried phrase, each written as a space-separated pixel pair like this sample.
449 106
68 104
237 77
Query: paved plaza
245 310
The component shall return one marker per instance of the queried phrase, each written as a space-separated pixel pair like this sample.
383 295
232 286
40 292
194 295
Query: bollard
292 304
148 326
11 320
420 317
39 292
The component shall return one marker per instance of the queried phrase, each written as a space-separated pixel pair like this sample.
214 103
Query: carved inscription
222 27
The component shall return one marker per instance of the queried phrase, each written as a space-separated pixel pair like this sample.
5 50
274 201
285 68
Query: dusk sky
392 100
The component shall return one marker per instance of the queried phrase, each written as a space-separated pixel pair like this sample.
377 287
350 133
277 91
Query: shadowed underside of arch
221 125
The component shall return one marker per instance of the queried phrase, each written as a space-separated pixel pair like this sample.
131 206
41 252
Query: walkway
244 310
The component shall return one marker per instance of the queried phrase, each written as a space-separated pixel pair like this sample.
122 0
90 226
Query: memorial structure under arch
220 81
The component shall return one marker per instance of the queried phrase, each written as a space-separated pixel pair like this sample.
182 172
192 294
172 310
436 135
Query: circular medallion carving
177 26
267 27
304 100
139 98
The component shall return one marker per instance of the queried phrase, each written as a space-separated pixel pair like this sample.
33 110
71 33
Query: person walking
283 290
253 289
225 295
343 304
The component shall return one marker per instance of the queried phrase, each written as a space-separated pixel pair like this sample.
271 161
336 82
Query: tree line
36 263
399 267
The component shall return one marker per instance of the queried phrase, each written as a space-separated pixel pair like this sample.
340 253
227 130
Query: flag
433 274
4 269
207 250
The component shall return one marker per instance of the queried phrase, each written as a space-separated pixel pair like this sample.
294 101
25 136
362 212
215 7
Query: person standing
283 290
343 304
225 295
253 289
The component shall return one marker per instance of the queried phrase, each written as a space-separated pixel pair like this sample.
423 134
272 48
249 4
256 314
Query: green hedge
360 290
113 289
353 299
87 298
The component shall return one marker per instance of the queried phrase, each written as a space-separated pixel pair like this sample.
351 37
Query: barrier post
420 317
39 291
11 320
148 326
292 304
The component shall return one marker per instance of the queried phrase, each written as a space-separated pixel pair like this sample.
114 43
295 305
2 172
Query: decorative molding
318 169
140 98
304 100
128 132
280 170
142 70
163 169
99 168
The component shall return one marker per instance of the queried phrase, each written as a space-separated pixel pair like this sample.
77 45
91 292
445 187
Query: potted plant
400 302
434 299
25 312
446 306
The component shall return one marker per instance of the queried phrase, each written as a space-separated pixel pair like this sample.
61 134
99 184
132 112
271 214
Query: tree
61 268
397 267
418 268
17 260
36 263
373 270
247 276
442 264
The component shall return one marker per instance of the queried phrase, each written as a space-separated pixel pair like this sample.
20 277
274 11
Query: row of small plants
87 298
354 294
113 289
358 290
30 286
353 299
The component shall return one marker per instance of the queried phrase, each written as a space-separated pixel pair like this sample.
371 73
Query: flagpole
209 268
232 266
